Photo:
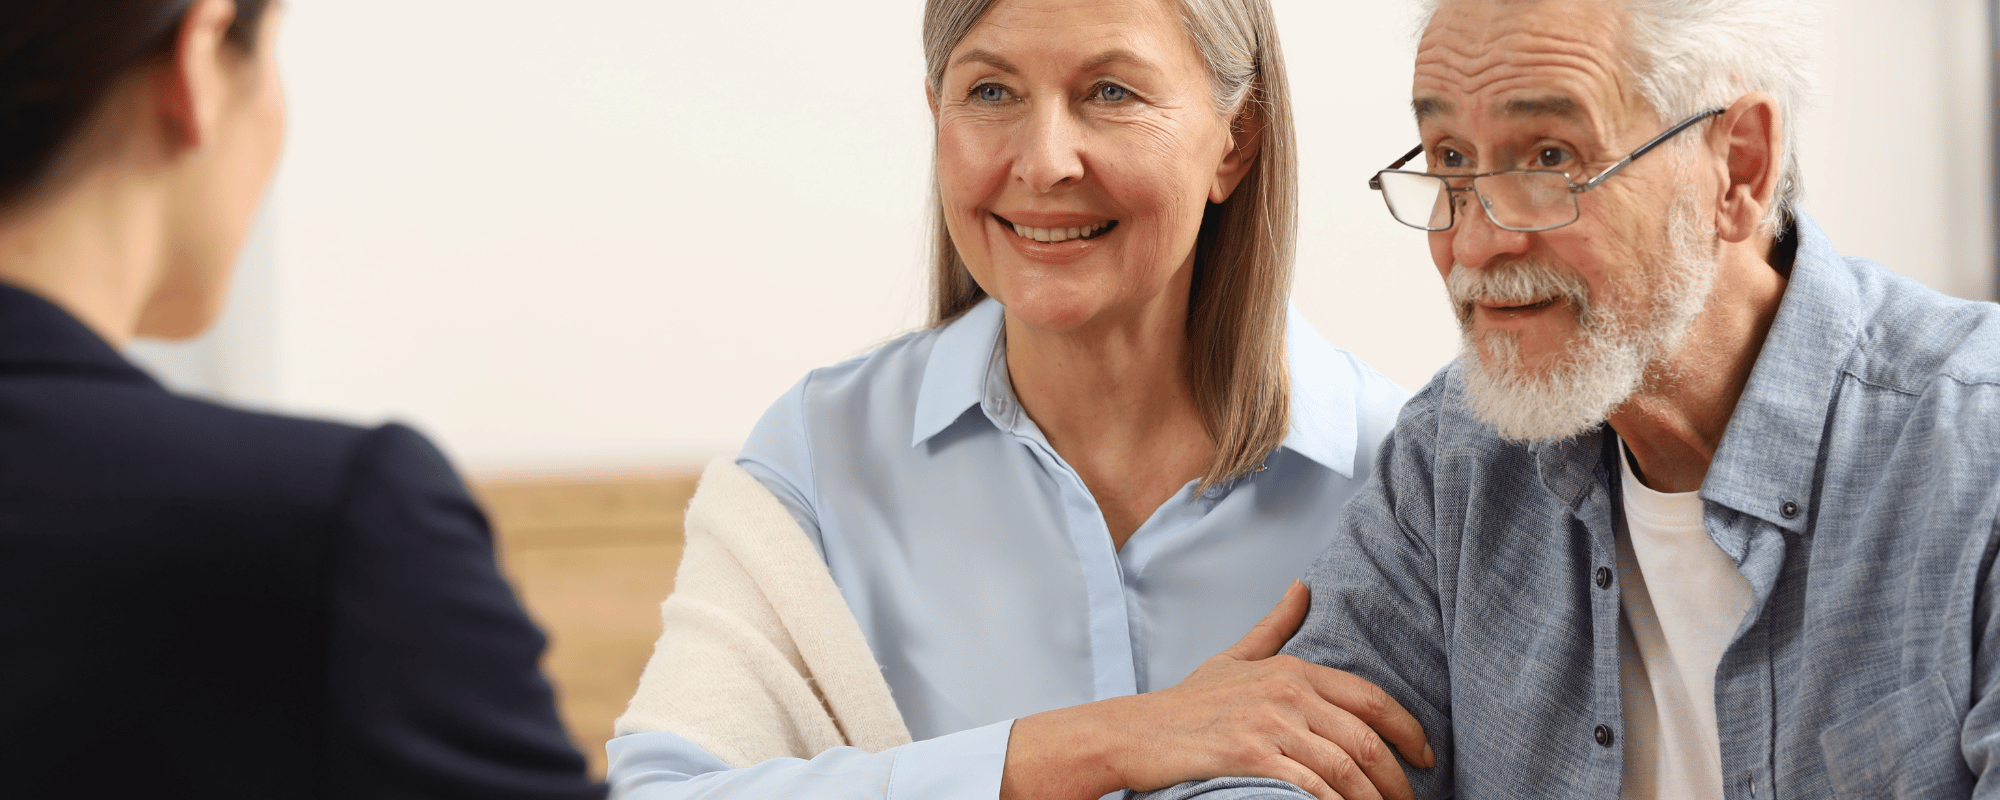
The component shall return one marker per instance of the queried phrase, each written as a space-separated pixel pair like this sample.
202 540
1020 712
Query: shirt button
1789 509
1603 577
1603 736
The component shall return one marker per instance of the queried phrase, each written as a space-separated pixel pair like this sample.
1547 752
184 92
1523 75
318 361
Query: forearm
960 766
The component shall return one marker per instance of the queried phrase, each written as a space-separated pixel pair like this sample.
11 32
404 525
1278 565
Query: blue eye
1113 93
990 92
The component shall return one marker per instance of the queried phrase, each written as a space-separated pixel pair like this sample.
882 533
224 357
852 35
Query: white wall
604 235
1898 153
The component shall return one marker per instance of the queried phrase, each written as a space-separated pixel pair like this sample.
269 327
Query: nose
1051 149
1476 241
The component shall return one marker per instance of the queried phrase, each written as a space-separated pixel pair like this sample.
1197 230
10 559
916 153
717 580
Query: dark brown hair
58 60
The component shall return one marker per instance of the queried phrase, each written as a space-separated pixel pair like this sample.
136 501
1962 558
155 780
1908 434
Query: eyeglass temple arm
1375 182
1643 149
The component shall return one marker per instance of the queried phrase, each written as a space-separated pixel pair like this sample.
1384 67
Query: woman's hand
1247 712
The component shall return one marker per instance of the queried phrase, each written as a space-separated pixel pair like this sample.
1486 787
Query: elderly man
1704 509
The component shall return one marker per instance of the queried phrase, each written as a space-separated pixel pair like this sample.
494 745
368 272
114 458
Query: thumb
1276 628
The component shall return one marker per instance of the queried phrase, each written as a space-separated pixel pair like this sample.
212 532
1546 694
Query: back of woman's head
60 58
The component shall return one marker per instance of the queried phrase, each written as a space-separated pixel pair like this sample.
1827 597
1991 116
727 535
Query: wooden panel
592 559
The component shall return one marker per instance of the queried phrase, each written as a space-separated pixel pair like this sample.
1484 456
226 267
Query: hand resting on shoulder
1247 712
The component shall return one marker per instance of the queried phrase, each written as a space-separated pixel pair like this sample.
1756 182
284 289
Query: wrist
1066 753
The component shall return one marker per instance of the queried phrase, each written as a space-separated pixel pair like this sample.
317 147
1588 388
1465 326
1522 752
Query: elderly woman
1048 512
199 601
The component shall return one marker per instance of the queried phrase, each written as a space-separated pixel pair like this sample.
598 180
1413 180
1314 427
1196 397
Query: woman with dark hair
196 601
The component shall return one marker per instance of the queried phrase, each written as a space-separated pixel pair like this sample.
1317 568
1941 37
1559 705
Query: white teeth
1057 234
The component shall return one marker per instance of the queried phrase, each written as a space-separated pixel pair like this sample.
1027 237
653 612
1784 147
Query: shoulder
851 412
1438 410
1924 376
863 399
1439 440
136 444
1379 401
1337 400
1915 339
120 440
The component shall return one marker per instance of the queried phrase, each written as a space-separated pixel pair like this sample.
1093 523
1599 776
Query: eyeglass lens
1523 200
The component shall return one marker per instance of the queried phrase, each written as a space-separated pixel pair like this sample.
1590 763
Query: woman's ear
1246 136
1749 138
192 89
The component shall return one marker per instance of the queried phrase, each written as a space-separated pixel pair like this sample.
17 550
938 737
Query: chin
1054 308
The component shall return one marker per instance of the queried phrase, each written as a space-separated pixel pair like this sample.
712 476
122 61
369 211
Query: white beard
1616 352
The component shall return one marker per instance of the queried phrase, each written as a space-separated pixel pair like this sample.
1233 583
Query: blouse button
1603 736
1789 509
1603 577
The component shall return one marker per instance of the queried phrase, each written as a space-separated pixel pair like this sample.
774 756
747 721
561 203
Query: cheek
1154 173
969 168
1440 243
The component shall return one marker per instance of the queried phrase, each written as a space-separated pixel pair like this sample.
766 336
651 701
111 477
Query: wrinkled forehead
1483 60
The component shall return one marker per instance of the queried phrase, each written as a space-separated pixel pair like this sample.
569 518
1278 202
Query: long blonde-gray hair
1243 256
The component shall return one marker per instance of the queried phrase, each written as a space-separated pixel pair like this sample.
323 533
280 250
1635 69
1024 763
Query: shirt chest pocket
1904 745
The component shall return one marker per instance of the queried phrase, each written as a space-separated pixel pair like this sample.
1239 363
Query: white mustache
1515 283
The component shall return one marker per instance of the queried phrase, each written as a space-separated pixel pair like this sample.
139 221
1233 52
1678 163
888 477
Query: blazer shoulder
95 440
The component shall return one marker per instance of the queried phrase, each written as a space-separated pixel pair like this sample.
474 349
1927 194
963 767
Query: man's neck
1675 423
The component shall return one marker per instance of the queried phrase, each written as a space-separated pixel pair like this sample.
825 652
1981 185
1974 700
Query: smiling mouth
1058 235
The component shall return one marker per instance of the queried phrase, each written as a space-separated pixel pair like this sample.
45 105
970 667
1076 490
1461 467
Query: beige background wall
603 235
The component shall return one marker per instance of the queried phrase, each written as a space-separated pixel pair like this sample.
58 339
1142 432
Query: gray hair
1690 55
1243 257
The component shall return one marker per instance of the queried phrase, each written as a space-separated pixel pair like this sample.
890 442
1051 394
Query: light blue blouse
982 572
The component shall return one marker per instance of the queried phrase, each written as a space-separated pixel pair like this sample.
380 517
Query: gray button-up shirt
1857 489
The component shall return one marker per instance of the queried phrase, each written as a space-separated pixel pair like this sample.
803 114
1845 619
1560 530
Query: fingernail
1430 756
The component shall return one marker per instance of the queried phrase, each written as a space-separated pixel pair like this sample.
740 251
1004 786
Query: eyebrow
1556 107
1427 107
1109 57
999 62
987 57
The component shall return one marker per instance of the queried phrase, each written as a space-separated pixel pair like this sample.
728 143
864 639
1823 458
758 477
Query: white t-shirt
1683 600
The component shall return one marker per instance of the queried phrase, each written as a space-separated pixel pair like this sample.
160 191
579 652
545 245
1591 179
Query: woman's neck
94 249
1115 402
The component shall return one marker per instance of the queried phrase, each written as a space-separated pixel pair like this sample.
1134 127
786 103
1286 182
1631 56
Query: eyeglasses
1526 200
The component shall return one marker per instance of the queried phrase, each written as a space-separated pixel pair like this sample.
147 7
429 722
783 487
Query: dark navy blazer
203 602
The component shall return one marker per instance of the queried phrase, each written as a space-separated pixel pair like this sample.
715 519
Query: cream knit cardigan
759 657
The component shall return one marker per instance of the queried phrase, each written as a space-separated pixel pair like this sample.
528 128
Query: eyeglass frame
1375 182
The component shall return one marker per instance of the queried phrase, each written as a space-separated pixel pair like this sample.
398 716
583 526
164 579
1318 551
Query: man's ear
191 88
1246 138
1749 137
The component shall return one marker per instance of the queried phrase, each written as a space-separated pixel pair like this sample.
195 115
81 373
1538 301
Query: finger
1285 768
1364 757
1375 707
1270 633
1333 768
